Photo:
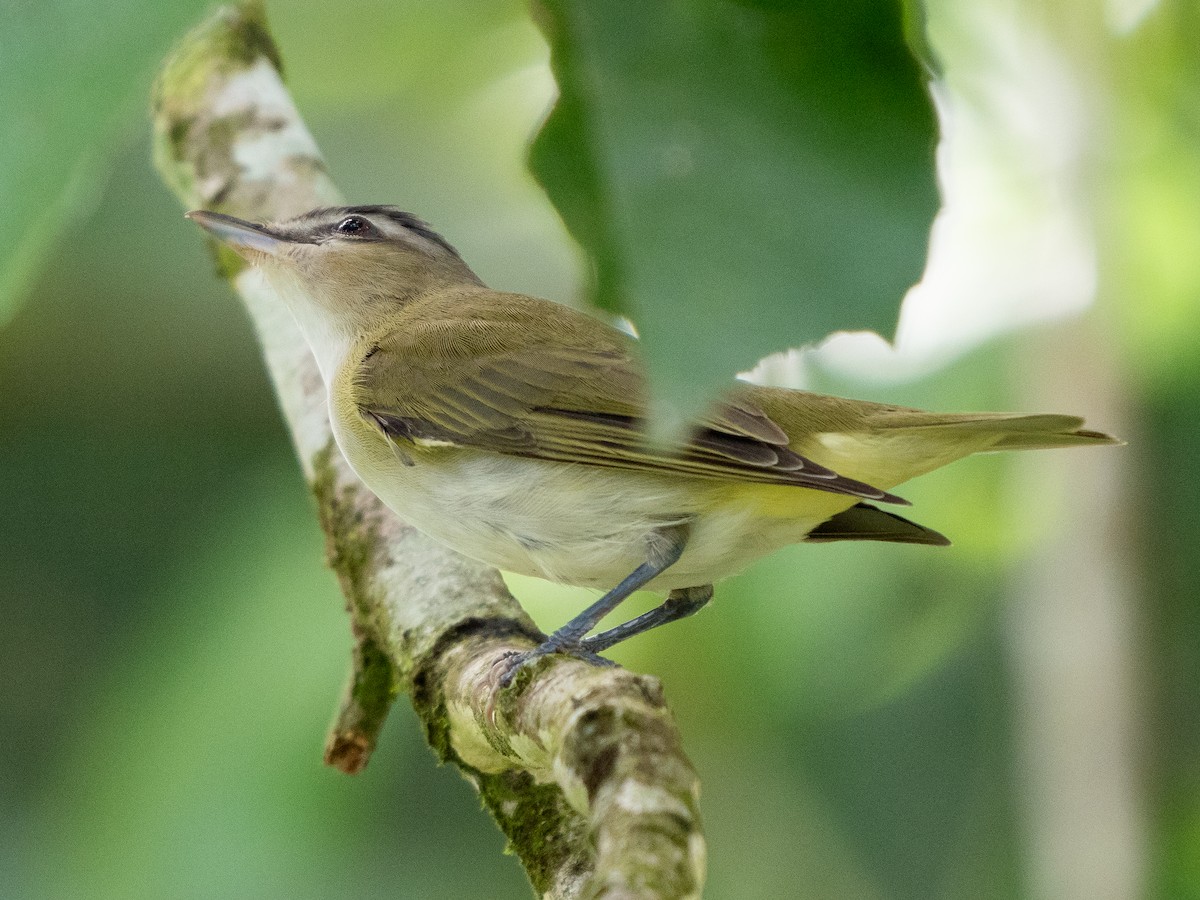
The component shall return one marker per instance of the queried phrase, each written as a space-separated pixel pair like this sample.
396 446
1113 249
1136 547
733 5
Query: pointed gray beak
240 235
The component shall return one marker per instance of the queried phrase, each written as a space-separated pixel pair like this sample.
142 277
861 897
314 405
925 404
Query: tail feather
1012 432
1080 437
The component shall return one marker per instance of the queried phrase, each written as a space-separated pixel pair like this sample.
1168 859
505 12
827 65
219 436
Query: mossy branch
581 767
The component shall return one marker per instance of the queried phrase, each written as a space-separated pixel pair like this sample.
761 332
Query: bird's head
344 270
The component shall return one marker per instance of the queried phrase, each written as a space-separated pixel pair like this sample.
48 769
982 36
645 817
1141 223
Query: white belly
570 523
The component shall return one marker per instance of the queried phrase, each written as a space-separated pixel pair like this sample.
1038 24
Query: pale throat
329 337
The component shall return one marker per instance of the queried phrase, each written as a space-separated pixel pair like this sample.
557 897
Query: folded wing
460 374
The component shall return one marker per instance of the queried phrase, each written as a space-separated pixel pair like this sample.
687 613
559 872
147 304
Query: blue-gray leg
680 604
664 549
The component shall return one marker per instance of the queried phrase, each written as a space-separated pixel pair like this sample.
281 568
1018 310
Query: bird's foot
515 661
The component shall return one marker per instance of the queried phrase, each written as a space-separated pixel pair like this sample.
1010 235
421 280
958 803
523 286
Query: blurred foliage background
1018 716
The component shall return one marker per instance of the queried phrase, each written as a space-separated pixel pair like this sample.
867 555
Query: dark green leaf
746 176
72 71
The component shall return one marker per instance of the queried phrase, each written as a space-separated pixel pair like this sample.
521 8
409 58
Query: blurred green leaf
462 44
746 176
72 71
1152 213
195 769
919 784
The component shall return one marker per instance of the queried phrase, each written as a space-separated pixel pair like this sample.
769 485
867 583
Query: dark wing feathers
575 396
743 418
865 522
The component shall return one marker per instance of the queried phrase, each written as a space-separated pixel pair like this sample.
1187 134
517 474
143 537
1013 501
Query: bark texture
581 767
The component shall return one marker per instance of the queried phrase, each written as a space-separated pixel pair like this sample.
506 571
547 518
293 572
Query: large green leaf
71 71
746 176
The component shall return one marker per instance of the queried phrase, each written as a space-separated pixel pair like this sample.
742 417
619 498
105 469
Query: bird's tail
906 443
1015 432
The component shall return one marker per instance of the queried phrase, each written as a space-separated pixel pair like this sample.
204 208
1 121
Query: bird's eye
353 225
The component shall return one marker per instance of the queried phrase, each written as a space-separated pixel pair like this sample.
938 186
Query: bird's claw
514 661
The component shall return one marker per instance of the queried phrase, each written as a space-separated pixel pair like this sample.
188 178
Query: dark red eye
353 225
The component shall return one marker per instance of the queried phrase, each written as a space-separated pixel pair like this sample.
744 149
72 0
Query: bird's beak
244 237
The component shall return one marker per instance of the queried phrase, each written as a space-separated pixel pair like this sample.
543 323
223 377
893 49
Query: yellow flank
780 501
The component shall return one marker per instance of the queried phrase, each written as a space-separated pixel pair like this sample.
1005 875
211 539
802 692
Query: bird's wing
457 373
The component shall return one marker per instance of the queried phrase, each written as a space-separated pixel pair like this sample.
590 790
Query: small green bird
510 428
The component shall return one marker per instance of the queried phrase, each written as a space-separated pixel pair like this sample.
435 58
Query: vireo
510 428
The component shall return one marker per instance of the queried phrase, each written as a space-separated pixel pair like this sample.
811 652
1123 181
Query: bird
512 429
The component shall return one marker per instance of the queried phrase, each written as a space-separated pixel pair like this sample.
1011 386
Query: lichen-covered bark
581 767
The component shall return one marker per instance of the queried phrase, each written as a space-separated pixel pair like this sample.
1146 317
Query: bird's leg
664 549
679 604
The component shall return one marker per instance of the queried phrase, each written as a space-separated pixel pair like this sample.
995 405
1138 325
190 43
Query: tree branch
581 767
